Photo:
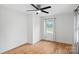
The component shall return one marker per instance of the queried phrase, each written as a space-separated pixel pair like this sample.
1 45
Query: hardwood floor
42 47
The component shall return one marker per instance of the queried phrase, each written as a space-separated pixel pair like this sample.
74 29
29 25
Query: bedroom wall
64 28
13 28
30 28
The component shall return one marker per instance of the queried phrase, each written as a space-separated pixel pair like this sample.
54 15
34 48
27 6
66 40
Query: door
76 32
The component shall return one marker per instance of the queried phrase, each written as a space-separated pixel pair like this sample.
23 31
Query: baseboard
56 41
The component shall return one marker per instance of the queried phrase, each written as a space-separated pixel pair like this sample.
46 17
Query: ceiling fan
38 8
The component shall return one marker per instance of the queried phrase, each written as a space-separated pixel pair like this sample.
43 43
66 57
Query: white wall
64 28
17 28
36 28
30 28
13 29
33 28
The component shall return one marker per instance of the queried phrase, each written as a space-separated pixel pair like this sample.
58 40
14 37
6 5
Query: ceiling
56 8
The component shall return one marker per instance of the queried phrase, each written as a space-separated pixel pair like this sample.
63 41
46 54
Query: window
49 26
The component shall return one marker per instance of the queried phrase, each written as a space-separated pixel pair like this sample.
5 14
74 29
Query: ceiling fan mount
39 9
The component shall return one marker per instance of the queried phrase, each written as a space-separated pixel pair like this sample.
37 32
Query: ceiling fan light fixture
38 11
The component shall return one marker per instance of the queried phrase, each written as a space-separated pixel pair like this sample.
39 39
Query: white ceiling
56 8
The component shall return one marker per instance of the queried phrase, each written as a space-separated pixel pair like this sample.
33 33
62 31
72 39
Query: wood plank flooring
42 47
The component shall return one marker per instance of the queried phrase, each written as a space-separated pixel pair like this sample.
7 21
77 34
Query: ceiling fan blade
46 7
35 6
31 10
45 11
